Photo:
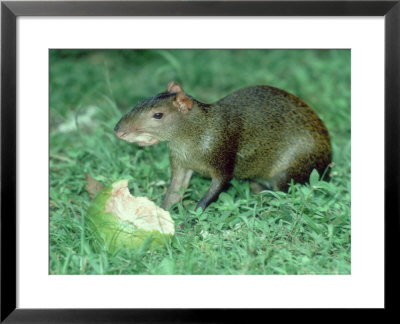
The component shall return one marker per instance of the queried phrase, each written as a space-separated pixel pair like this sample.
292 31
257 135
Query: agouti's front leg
180 177
217 185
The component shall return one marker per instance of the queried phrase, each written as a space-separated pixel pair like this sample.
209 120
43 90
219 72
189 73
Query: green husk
113 232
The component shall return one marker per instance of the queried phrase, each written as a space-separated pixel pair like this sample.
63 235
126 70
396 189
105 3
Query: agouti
259 133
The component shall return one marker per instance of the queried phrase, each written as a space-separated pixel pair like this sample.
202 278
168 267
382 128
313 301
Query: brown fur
259 133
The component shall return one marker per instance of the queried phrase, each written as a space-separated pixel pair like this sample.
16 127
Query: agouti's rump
258 133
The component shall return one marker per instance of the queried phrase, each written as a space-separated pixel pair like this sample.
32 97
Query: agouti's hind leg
260 185
282 179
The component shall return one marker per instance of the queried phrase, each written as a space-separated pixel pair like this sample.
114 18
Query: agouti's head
154 119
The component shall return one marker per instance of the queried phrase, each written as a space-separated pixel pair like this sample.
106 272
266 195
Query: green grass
304 231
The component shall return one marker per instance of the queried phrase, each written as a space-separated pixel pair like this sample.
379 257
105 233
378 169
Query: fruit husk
114 229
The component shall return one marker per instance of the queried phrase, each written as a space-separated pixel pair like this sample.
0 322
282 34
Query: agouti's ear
183 103
174 87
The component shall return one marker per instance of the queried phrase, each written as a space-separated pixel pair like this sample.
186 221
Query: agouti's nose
116 128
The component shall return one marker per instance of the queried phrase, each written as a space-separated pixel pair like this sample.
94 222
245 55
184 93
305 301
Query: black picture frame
11 10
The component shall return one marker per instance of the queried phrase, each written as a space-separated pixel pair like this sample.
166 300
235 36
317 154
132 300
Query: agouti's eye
158 115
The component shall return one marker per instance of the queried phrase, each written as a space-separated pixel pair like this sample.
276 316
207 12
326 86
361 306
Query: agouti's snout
259 133
118 131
